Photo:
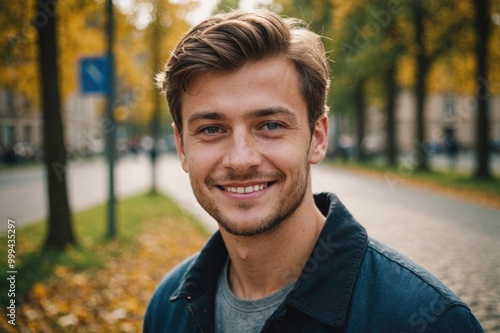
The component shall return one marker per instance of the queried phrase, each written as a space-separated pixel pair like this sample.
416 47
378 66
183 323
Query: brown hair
227 42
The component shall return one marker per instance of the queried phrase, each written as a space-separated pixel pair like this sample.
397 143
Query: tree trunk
60 233
110 120
391 147
483 28
420 89
359 102
155 125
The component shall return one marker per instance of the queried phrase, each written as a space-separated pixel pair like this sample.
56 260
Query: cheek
289 156
201 158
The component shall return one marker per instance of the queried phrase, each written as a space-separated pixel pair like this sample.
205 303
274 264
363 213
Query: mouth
245 189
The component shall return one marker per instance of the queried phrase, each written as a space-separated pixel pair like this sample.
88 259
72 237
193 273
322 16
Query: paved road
457 241
23 192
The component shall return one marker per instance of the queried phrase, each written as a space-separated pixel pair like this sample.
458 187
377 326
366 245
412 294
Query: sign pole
110 121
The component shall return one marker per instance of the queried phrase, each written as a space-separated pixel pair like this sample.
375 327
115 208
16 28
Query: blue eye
211 130
272 126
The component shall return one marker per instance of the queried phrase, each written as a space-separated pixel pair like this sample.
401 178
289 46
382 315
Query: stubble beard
285 206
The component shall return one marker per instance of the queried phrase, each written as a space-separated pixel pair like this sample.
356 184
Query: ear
319 140
180 148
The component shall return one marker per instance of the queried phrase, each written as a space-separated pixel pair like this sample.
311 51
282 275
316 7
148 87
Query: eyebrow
259 113
210 115
272 111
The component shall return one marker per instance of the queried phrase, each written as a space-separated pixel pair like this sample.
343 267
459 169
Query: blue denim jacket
350 283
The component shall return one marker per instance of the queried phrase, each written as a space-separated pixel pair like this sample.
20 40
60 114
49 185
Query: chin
250 229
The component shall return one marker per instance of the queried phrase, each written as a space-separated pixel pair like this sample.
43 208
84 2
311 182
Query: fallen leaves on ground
112 299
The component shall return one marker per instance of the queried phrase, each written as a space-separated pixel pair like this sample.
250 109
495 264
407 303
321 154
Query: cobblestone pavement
457 241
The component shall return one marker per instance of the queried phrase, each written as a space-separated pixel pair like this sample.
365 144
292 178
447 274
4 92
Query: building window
27 134
8 135
449 106
10 102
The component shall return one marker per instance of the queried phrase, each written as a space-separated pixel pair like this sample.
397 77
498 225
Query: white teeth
248 189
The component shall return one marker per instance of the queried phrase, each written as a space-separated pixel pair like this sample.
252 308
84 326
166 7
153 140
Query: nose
242 154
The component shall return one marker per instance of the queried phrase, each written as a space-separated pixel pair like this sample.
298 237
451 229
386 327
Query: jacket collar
204 270
331 269
324 289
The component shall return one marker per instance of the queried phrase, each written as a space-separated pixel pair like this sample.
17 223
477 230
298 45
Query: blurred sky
205 9
201 12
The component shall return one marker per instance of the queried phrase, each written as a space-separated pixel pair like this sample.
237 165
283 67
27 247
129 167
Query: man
247 93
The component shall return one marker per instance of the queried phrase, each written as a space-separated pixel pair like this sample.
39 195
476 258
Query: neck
263 264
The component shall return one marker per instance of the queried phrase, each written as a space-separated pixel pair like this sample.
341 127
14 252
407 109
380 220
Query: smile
247 189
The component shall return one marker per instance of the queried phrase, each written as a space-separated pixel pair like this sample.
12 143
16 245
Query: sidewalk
465 161
173 181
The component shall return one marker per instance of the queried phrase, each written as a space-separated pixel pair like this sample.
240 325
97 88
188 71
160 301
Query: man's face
246 145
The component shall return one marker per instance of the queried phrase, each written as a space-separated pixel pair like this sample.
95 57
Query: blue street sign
94 75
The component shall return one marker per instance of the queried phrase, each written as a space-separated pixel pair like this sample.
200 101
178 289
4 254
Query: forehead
257 85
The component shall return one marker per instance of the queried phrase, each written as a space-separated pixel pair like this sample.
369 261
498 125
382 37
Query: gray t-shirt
233 314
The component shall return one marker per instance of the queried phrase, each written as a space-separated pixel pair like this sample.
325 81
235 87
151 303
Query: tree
438 31
370 42
423 63
60 232
482 31
224 6
381 56
155 66
111 119
154 42
390 98
428 46
78 33
360 108
19 54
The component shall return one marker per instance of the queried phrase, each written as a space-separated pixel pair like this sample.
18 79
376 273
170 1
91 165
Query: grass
452 182
20 165
93 251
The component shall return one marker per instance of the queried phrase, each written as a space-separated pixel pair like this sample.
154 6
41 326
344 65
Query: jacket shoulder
160 310
400 294
405 268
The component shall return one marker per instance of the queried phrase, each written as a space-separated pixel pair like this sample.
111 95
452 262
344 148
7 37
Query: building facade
21 126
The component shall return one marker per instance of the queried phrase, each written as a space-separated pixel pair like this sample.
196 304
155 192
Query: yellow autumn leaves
81 33
112 298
